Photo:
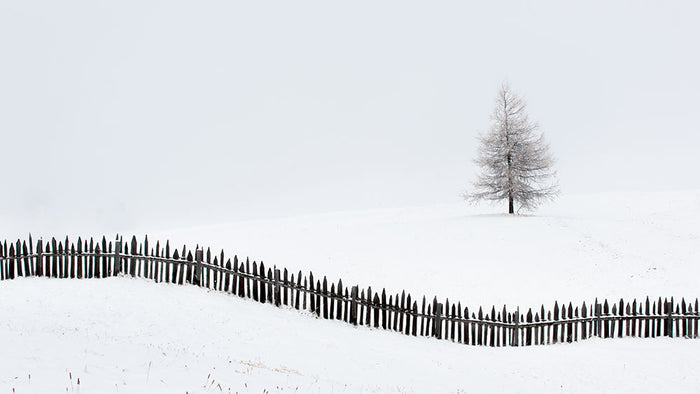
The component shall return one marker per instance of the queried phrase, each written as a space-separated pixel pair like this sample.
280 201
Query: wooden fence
398 312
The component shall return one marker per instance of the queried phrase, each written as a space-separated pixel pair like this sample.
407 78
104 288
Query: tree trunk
510 204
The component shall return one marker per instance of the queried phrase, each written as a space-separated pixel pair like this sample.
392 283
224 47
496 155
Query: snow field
612 245
123 335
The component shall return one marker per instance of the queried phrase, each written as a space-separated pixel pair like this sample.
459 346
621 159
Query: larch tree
515 161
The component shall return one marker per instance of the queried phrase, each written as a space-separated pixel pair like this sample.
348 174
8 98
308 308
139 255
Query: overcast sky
138 114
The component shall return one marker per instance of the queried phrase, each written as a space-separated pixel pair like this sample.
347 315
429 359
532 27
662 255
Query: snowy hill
609 245
121 335
129 335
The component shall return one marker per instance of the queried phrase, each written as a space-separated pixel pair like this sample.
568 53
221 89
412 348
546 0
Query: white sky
138 114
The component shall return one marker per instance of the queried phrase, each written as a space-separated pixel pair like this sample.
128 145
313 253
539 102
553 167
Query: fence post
669 318
277 298
437 323
2 263
516 328
117 256
199 257
39 258
133 259
353 305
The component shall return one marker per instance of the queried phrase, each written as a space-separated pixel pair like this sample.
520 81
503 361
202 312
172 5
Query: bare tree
514 158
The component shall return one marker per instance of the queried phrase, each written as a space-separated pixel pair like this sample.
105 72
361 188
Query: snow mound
613 245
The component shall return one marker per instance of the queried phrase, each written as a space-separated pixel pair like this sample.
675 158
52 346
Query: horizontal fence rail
358 306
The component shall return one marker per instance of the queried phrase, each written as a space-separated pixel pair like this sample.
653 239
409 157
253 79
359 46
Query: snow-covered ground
132 335
612 245
122 335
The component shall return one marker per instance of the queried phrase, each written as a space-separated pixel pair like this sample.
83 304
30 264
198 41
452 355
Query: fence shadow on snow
401 313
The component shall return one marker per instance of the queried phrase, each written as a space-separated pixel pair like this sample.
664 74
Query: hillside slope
126 335
122 335
606 245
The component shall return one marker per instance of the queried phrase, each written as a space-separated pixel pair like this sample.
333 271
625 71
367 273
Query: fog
116 116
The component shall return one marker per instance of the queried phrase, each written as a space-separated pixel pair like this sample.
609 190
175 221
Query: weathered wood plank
325 298
181 269
460 323
696 324
437 319
238 280
3 262
223 276
39 262
229 278
73 261
634 320
167 266
312 296
66 260
341 306
304 294
298 291
353 305
285 281
480 328
453 315
54 259
474 332
27 260
270 286
402 310
361 312
676 332
247 279
60 260
376 304
492 327
191 269
319 294
429 326
277 288
262 288
133 263
368 309
391 313
505 331
516 327
79 259
255 284
555 326
11 274
331 302
414 321
422 319
529 329
383 306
